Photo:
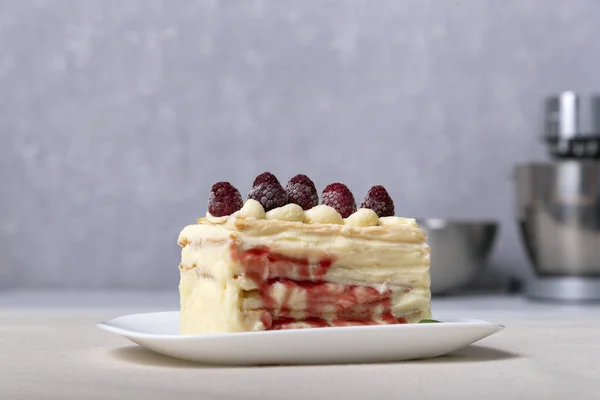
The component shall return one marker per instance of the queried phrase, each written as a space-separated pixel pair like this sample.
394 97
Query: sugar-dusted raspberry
379 200
224 199
267 190
301 190
265 177
338 196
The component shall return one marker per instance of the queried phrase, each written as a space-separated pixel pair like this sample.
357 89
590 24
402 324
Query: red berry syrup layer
282 278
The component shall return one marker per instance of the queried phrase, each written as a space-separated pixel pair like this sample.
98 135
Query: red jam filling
260 264
277 273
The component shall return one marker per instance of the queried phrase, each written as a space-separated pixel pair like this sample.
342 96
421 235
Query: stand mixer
558 202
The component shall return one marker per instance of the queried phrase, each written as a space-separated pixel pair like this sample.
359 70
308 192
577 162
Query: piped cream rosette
320 214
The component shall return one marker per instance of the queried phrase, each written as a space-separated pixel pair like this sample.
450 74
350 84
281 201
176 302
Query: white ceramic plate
159 332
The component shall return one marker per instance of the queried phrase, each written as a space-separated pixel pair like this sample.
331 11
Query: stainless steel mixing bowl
459 249
559 218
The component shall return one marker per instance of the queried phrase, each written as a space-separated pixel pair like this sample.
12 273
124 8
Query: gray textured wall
117 115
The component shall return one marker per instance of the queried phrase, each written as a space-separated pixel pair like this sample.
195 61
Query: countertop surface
50 348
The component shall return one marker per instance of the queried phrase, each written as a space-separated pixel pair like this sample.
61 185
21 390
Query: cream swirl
290 212
363 217
216 220
251 209
323 214
397 221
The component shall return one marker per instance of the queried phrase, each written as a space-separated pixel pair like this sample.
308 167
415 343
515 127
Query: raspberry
224 199
267 190
302 191
265 177
338 196
379 200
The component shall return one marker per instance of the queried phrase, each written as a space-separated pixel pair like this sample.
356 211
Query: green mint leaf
429 321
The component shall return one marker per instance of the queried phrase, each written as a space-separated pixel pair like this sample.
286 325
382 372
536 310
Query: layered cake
285 258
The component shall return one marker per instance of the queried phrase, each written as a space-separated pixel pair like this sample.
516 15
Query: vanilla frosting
251 209
289 212
397 221
363 217
323 214
217 220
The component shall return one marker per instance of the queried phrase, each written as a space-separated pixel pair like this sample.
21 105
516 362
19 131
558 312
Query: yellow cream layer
401 302
212 306
396 255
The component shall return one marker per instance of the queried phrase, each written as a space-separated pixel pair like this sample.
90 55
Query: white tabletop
51 349
473 306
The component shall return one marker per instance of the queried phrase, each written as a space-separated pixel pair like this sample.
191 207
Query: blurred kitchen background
118 115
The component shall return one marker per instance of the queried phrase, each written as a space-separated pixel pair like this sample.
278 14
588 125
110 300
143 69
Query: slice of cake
282 261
